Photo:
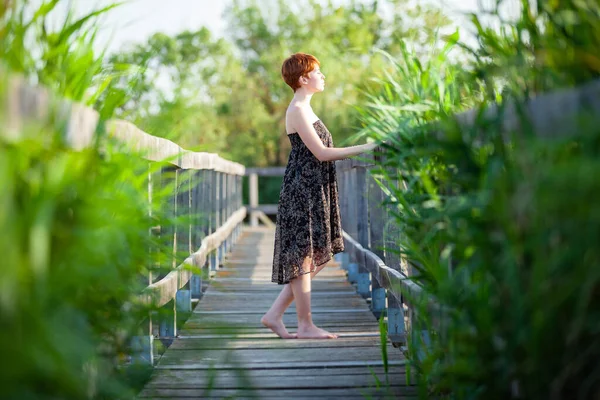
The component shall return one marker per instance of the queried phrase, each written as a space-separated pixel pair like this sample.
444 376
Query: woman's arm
313 142
339 153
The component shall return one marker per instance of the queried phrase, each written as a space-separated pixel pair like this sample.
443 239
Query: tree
232 87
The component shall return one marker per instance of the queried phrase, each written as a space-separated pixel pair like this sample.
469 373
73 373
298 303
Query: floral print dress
308 215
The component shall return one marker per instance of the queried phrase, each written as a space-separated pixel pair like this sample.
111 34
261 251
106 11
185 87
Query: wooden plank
253 294
161 292
260 307
236 363
253 343
289 321
281 355
198 378
275 289
272 379
265 334
331 287
224 333
208 329
404 393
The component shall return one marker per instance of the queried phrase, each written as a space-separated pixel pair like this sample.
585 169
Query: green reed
503 233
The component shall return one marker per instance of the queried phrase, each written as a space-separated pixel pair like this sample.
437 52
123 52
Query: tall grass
75 226
63 59
502 233
74 245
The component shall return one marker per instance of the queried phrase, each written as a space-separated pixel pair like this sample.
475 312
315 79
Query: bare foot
314 332
277 326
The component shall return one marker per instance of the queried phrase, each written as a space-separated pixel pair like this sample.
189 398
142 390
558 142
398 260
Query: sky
136 20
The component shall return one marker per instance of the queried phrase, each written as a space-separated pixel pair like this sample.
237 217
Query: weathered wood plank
265 334
281 355
402 393
343 331
224 333
161 292
225 343
258 306
197 378
297 365
288 320
267 379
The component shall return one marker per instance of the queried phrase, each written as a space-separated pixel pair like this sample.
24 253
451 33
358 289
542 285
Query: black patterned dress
308 214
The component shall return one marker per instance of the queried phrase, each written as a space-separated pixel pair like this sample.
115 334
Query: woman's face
315 80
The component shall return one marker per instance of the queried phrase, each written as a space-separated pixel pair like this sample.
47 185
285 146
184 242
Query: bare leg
273 319
301 287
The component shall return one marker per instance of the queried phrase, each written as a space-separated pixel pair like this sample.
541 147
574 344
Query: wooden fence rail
371 237
371 249
208 192
207 195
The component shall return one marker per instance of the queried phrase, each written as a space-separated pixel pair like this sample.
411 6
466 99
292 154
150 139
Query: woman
308 230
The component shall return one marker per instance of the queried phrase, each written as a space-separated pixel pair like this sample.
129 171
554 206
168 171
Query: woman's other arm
313 142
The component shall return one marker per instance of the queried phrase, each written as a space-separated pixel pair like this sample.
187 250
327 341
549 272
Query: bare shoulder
295 117
297 113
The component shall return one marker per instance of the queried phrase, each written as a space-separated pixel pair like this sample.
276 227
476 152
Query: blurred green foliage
75 226
502 232
226 95
75 247
64 59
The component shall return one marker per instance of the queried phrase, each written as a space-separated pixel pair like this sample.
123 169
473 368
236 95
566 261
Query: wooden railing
207 194
207 184
370 241
260 211
371 237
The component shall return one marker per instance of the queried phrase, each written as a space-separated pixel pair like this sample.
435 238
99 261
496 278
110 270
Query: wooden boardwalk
224 352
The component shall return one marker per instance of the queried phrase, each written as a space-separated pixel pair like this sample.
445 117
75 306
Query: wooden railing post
214 218
198 228
240 182
351 223
344 257
391 236
253 198
206 202
143 345
226 198
376 223
230 194
182 242
362 228
222 216
237 204
168 320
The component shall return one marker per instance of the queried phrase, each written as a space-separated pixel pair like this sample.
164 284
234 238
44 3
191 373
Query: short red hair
297 65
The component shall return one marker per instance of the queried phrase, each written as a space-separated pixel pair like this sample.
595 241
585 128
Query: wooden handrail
161 292
258 211
549 116
204 183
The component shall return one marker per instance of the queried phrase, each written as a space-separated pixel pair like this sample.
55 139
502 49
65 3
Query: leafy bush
502 232
75 227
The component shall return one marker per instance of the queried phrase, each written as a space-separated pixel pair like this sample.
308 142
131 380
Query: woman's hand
370 146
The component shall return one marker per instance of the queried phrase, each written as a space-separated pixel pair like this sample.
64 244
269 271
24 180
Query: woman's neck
302 98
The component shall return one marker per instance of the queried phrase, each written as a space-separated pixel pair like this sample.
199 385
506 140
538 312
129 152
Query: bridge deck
223 350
